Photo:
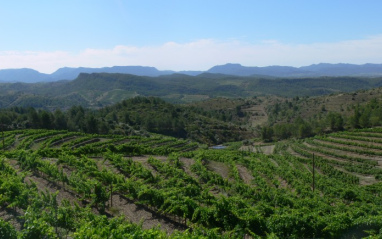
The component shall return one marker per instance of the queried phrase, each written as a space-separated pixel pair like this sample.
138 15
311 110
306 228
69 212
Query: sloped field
72 185
355 155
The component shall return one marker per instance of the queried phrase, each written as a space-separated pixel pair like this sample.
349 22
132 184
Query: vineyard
60 184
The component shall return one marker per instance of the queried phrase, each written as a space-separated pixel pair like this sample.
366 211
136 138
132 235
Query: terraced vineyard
356 155
72 185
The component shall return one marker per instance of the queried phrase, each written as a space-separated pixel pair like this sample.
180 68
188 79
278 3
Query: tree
282 131
91 124
364 119
266 134
34 120
304 130
335 121
354 120
59 120
46 120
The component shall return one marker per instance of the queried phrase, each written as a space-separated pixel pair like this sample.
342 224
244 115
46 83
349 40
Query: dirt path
316 170
363 179
143 161
265 149
138 213
273 162
44 185
219 168
357 141
57 144
268 149
245 174
121 205
283 182
13 217
296 154
341 160
344 151
187 164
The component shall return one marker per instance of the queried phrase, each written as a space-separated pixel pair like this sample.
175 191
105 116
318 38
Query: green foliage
216 193
100 89
7 230
132 117
363 116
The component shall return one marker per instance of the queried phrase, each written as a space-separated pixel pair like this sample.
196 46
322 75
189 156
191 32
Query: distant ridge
239 70
68 73
316 70
23 75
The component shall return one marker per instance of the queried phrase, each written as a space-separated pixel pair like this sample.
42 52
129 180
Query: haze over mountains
316 70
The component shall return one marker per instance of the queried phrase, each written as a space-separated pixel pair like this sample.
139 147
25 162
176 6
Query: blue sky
188 35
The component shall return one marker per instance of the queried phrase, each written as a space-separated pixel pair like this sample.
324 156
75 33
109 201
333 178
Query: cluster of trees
157 116
132 116
75 119
298 129
364 116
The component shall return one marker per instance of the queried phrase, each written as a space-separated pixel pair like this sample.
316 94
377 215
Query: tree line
133 116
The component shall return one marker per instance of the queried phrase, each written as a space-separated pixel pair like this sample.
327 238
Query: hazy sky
188 34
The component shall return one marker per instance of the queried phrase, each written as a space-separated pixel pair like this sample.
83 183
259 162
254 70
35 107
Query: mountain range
317 70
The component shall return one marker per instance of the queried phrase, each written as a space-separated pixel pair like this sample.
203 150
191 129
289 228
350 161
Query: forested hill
101 89
135 116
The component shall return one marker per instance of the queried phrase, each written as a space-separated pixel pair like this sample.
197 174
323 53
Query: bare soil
143 161
121 205
342 160
274 162
316 170
245 174
363 179
142 214
57 144
219 168
187 163
13 217
347 153
357 141
344 146
265 149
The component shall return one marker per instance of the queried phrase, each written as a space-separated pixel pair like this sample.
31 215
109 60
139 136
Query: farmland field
75 185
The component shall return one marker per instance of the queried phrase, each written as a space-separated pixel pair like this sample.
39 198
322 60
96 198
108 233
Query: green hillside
95 158
136 116
102 89
67 184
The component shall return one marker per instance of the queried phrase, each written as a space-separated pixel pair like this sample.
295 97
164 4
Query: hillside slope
63 184
101 89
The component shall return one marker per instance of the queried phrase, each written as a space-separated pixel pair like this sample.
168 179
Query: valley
121 163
